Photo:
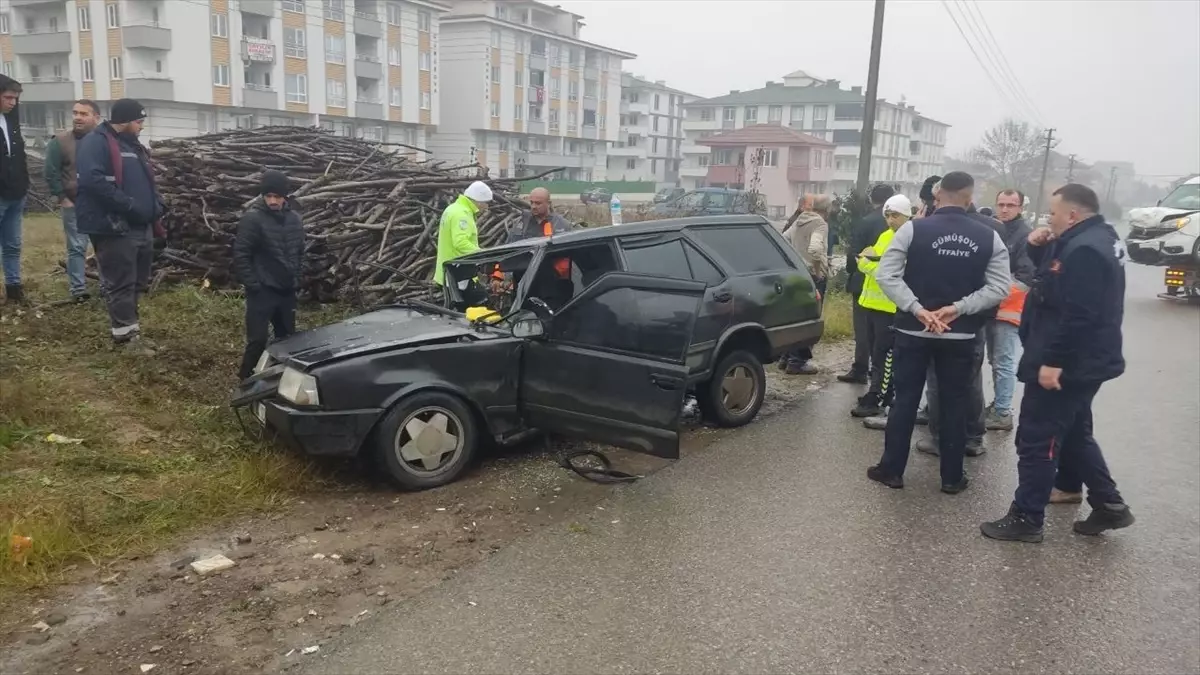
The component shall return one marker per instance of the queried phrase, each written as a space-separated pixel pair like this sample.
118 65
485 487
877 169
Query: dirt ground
322 567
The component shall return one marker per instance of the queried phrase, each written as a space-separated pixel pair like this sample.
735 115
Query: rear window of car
746 248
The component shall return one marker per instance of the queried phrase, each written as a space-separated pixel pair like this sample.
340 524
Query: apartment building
364 68
648 147
527 94
907 146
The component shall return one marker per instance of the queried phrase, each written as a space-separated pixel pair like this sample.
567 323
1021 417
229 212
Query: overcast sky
1119 79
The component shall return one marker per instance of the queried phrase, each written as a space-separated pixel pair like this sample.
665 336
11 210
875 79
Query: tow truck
1168 235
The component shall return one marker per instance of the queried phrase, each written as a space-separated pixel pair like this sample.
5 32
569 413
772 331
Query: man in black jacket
14 183
863 233
118 206
1071 330
268 256
1003 343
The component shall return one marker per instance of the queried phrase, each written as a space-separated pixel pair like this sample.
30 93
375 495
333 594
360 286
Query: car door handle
667 382
722 296
778 286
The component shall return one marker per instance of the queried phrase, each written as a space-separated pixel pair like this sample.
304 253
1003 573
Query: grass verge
154 448
838 315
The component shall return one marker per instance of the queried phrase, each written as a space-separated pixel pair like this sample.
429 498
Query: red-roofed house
789 163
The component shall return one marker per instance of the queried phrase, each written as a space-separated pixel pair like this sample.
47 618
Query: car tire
734 406
434 459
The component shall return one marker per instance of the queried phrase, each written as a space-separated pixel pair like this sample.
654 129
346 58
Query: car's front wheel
736 391
426 440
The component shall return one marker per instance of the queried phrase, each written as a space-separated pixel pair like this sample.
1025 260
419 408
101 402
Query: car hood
389 328
1152 216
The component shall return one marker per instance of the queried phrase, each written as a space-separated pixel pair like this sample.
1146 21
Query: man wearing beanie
14 183
268 256
119 208
457 234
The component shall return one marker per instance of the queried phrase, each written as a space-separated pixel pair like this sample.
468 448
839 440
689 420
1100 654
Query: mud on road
321 567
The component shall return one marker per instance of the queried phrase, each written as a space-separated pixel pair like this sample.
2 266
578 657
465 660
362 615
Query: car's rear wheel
426 440
736 391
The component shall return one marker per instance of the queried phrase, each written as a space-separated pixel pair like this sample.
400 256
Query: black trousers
1055 429
880 336
266 308
804 355
862 338
976 415
951 359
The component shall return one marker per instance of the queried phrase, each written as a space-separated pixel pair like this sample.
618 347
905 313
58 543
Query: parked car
668 194
596 195
711 202
596 334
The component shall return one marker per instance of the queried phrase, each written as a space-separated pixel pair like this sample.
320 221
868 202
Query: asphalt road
771 552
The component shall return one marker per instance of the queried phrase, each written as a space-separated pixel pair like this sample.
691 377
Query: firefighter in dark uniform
1071 332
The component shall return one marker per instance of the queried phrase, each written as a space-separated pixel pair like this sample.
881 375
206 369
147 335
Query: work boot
1013 527
15 294
868 406
923 416
999 422
805 368
974 448
1107 517
877 474
853 377
878 423
955 488
1062 497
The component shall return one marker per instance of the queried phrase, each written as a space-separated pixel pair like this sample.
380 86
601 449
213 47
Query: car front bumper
318 432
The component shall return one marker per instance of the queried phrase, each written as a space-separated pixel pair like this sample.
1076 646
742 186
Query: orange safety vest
1012 306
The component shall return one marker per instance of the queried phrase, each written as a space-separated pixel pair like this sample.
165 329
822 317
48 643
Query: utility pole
868 132
1037 209
1071 168
1112 184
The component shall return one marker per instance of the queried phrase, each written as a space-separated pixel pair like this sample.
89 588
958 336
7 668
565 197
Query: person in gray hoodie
809 234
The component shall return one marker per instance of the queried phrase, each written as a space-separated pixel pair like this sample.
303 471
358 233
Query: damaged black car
594 334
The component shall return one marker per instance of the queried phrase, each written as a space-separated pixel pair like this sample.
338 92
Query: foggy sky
1118 79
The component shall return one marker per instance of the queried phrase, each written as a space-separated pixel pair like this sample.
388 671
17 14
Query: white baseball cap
898 204
479 191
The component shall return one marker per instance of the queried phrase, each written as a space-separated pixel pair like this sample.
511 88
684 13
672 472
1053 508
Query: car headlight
263 362
299 388
1182 222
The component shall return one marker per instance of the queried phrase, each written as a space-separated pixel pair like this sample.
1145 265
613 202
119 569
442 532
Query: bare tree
1012 152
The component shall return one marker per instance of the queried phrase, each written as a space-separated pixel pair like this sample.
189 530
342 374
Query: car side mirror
528 328
540 307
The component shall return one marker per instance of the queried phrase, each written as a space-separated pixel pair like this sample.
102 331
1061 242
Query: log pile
370 214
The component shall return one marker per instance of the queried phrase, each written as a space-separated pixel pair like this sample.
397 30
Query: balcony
799 174
589 132
548 159
47 89
149 86
58 42
260 96
536 94
259 7
258 51
368 66
370 108
626 151
692 149
33 3
536 126
590 103
729 124
590 72
692 171
727 174
368 23
146 36
639 108
537 62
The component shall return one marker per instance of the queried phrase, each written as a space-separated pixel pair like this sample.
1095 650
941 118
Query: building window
220 25
221 75
656 119
423 60
114 18
702 160
114 68
797 116
495 74
501 12
394 14
423 21
519 77
657 102
296 89
293 6
775 113
85 19
4 24
706 114
89 74
555 88
426 101
520 39
572 120
601 120
820 116
495 39
729 114
294 43
393 55
335 91
768 157
518 111
495 107
631 163
335 10
335 48
751 114
504 173
654 144
396 96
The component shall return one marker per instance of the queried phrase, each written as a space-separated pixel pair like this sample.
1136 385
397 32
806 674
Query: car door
610 367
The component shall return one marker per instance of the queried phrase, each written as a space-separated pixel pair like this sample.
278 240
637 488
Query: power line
1009 89
986 71
1007 67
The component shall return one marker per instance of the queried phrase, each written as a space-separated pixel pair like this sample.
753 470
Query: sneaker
135 346
1013 527
1061 497
853 377
878 423
929 447
974 449
81 298
877 474
955 488
806 368
1107 517
868 406
923 417
999 422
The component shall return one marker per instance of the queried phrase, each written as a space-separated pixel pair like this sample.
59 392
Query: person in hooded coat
808 234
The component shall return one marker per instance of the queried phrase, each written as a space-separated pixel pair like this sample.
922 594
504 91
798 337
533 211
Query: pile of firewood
370 211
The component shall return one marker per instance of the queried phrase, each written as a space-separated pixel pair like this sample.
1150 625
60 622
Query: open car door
610 367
